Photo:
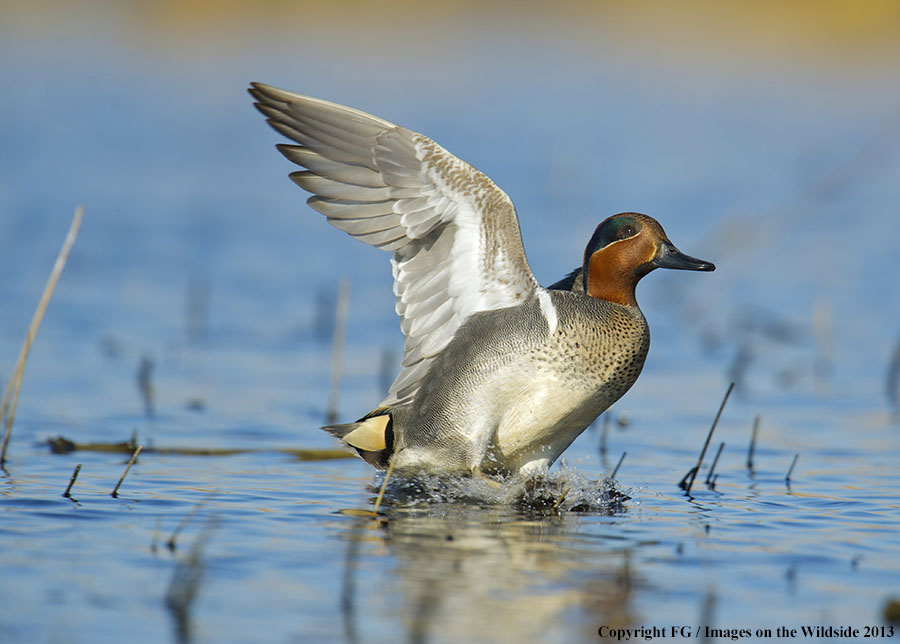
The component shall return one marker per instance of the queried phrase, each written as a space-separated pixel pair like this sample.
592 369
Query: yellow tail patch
370 434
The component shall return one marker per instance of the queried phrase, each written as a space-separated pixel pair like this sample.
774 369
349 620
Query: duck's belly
543 414
511 414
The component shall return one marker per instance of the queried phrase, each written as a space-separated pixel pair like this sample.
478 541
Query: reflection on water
462 571
495 553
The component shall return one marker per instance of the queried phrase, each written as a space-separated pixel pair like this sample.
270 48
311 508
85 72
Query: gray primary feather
343 172
457 249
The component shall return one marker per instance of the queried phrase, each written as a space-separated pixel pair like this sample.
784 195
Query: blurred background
764 136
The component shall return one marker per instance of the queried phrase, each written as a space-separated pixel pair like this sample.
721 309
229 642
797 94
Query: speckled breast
590 359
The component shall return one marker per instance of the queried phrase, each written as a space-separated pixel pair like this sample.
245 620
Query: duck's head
623 249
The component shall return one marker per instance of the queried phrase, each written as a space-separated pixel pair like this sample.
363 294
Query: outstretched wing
454 234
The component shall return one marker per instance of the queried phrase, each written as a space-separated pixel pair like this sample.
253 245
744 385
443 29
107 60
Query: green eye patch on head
613 229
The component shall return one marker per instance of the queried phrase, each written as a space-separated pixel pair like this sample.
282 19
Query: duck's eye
627 231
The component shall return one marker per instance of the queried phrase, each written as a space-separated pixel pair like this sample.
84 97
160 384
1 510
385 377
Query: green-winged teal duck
498 374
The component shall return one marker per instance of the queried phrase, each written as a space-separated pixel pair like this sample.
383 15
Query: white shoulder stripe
547 309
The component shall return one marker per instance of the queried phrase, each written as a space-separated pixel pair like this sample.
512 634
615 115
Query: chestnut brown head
623 249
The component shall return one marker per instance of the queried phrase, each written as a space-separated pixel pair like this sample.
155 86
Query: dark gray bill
671 257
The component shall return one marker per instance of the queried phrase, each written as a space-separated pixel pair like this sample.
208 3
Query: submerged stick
115 492
712 468
72 481
337 352
686 484
787 478
11 396
752 449
616 468
62 445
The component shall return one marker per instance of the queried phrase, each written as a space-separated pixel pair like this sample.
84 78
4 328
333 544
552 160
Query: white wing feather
454 234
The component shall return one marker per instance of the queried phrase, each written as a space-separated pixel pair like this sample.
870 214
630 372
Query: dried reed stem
115 492
387 476
787 478
11 396
752 449
72 481
712 468
686 484
562 497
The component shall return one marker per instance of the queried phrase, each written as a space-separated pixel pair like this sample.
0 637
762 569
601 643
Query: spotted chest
593 344
592 353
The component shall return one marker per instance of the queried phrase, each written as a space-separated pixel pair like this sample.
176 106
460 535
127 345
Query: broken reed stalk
686 484
72 481
115 492
616 468
712 468
337 350
11 396
787 478
752 449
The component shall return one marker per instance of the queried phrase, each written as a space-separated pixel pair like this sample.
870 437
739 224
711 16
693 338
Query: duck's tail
372 436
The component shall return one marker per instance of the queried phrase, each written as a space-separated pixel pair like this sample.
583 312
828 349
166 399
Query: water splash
564 490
